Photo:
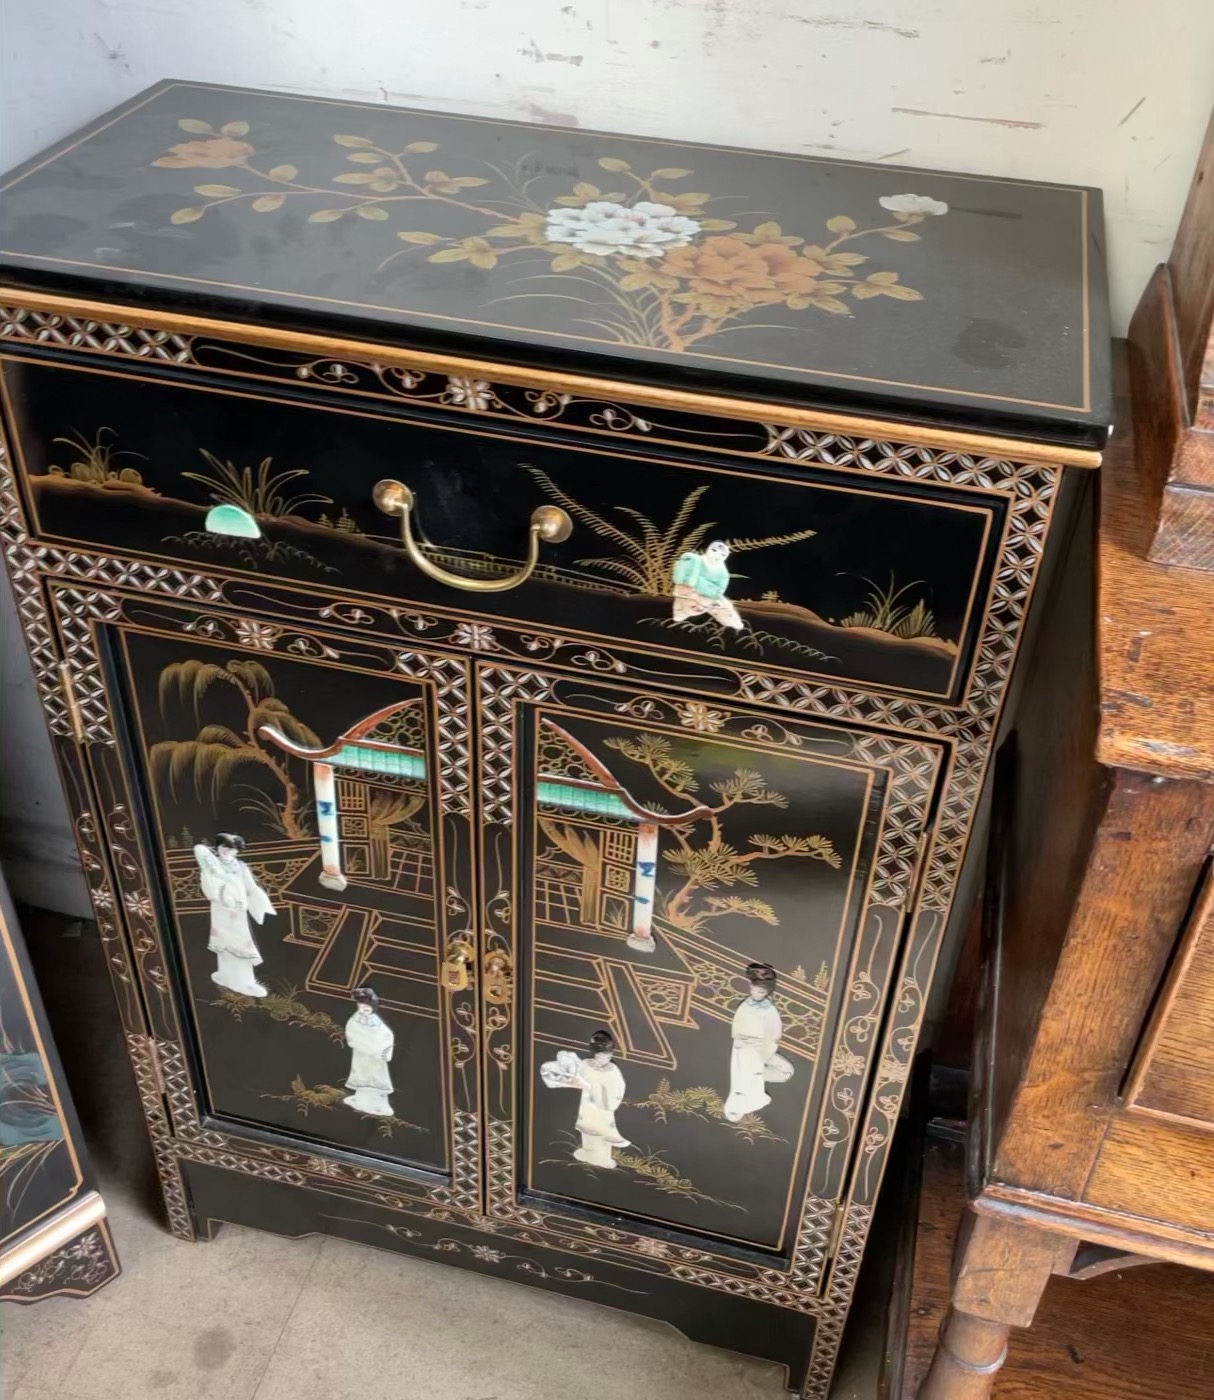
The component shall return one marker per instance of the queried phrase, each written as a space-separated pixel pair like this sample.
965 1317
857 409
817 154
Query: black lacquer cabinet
55 1240
524 617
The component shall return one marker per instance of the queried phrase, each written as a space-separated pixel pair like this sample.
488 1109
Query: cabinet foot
1000 1272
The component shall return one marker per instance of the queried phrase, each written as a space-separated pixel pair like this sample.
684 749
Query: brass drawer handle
548 523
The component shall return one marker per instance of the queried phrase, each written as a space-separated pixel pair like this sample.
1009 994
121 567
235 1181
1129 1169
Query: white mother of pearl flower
912 204
642 230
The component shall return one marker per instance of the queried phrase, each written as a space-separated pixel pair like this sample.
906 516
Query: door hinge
153 1049
836 1230
74 716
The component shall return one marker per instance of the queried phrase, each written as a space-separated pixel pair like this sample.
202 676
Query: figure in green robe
700 581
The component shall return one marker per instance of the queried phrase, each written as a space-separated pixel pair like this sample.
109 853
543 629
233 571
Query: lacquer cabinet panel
642 854
507 823
54 1236
297 828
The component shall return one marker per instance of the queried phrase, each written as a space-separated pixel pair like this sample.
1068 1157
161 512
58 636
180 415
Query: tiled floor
251 1316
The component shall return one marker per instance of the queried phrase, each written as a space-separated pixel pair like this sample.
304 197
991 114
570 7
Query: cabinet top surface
976 302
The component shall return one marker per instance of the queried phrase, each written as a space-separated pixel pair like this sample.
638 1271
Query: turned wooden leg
968 1355
1000 1274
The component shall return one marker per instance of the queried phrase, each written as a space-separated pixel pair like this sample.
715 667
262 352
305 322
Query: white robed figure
756 1038
370 1040
235 897
602 1087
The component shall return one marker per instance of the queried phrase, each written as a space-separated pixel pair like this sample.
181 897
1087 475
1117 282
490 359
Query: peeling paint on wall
869 83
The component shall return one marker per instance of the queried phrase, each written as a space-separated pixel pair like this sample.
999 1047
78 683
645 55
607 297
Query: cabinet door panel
327 761
660 848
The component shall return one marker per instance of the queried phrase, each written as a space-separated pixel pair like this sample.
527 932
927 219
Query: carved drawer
731 553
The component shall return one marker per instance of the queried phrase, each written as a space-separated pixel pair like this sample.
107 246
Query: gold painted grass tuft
282 1006
699 1101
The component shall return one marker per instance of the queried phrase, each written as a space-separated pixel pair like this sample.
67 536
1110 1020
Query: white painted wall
1114 93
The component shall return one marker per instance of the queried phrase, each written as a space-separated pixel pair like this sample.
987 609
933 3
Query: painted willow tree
218 752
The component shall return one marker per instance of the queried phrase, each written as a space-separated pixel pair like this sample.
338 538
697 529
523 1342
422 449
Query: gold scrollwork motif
102 896
79 1267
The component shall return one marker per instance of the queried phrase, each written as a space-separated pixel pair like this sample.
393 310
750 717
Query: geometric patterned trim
45 328
500 690
142 1050
832 1318
450 678
76 611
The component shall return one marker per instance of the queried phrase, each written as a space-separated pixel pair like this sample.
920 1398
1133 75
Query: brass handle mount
549 525
497 981
457 964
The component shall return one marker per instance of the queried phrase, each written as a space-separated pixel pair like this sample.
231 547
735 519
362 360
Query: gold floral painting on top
664 270
889 285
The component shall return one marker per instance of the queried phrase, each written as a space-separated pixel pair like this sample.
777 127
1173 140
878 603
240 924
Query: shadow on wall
37 847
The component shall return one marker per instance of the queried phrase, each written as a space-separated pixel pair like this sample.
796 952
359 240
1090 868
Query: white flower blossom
695 715
476 394
643 230
474 635
912 204
490 1256
259 635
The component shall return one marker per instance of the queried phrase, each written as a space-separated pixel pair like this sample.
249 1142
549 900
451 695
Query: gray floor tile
365 1319
25 1392
191 1322
40 1341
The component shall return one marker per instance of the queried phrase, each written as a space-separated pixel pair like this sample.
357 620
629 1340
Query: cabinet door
290 827
686 892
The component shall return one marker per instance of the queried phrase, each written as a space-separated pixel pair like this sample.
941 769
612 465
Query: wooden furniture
55 1240
1079 1346
1094 1121
1094 1108
374 478
1172 360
